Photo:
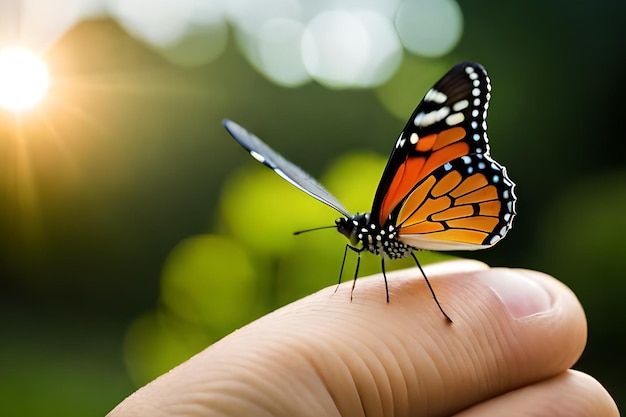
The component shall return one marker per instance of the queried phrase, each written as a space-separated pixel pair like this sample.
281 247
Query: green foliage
53 368
573 245
201 267
262 211
207 290
157 341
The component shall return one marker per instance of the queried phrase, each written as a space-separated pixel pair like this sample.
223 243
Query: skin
515 336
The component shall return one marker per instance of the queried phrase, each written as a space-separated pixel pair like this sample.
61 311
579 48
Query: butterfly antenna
430 288
315 228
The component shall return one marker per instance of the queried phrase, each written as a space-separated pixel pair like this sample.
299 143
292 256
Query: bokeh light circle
429 27
279 52
185 32
350 49
159 22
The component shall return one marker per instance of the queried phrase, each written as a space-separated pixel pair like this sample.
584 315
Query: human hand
515 335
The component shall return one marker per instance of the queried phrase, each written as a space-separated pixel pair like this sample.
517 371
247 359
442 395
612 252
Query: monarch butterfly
440 190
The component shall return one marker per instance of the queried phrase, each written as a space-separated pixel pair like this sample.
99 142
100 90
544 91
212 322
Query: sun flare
24 79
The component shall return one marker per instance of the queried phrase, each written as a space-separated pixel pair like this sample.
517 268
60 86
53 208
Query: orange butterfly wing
466 204
433 151
441 189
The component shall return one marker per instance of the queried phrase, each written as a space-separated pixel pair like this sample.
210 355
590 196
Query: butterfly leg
430 288
358 264
356 271
343 262
382 267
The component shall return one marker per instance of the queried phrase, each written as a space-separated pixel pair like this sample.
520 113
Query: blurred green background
135 231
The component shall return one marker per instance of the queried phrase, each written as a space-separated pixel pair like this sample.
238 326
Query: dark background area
128 157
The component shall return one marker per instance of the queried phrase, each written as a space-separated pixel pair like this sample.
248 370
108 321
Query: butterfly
440 190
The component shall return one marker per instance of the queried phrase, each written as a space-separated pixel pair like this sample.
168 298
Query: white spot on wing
427 119
460 105
258 156
436 96
414 138
283 175
455 119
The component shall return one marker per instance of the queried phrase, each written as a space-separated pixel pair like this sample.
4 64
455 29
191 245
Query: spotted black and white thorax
359 229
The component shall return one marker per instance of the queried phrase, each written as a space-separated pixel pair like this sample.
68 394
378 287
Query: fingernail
521 295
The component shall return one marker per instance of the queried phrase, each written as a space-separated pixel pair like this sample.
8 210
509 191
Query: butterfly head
351 227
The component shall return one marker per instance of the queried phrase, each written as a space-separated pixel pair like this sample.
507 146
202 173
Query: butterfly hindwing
442 149
466 204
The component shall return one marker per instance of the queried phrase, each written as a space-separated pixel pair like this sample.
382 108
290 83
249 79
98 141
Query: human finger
569 394
325 355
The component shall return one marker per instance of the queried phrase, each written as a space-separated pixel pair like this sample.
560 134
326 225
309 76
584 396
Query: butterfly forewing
442 152
287 170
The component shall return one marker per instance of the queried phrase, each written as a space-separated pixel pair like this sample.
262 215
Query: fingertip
569 394
512 326
528 294
594 396
534 321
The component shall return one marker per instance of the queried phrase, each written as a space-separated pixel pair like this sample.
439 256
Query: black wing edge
260 151
456 84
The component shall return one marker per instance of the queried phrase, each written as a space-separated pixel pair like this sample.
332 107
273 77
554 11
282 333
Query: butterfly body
361 230
440 190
